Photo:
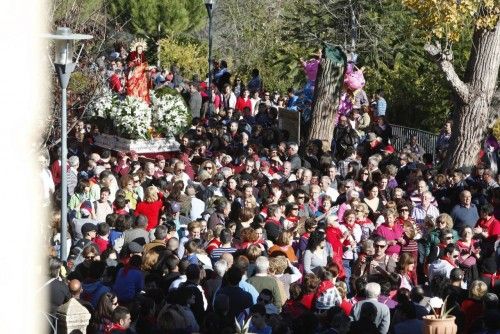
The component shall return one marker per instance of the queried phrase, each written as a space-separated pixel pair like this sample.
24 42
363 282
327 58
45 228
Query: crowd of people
244 224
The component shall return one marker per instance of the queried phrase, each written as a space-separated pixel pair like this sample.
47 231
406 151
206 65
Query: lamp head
64 44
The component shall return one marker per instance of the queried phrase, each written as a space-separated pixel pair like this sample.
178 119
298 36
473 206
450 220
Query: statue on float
137 78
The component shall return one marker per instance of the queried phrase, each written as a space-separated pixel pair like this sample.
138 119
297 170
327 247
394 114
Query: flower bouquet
170 114
132 118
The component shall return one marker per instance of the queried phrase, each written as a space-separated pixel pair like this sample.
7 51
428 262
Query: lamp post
209 4
63 62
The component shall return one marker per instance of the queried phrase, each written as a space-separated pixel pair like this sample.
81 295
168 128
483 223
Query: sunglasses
301 197
137 181
380 246
295 208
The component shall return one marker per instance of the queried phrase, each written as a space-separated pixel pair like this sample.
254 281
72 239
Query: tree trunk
473 96
494 113
327 95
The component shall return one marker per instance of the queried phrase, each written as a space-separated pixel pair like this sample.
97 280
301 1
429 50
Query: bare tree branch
443 60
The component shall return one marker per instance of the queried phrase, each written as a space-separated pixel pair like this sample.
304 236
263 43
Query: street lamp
63 62
209 4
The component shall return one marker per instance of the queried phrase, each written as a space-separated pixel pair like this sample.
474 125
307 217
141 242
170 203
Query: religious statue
137 78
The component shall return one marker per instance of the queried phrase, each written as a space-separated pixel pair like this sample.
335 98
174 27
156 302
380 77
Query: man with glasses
347 186
377 263
446 263
267 99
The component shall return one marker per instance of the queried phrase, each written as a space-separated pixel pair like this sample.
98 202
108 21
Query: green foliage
76 12
82 83
157 18
248 32
390 48
190 57
160 92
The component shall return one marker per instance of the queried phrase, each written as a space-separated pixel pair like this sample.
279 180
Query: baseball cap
86 208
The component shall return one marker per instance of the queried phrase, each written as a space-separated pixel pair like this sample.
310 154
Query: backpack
76 253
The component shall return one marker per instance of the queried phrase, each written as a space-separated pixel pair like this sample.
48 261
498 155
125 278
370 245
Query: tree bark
472 96
326 99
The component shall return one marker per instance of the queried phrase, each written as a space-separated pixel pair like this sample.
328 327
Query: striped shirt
217 252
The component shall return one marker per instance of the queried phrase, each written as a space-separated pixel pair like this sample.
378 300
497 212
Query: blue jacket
92 292
128 285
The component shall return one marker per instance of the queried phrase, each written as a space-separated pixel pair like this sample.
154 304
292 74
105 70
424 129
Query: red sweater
101 243
241 104
492 225
151 211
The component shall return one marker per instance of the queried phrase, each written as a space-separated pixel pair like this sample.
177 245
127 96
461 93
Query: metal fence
402 134
50 322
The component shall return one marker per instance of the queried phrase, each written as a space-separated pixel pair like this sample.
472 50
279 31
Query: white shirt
332 192
232 100
184 177
255 103
356 234
175 284
197 208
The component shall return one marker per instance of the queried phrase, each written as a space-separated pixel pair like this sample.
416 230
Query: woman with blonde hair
151 207
149 260
277 267
367 226
209 167
472 307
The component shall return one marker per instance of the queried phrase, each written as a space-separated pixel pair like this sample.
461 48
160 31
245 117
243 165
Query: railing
290 121
402 135
52 320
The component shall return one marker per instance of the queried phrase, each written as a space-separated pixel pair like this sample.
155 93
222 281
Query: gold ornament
139 42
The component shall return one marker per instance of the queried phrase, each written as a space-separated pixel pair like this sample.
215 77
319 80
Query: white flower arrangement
134 119
170 113
104 104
